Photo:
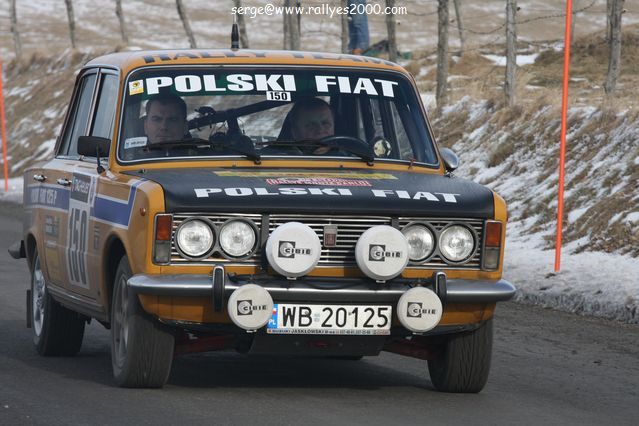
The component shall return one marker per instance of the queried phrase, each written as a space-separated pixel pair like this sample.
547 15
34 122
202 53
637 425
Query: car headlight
456 243
237 238
420 242
194 238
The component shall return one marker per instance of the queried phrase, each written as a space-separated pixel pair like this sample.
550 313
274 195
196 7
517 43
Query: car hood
364 192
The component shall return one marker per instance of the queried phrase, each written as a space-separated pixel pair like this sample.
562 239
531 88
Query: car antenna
235 35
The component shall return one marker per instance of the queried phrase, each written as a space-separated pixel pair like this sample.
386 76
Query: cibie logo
245 307
287 249
378 253
415 310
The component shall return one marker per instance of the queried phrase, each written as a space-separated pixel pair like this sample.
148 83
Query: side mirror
451 160
91 145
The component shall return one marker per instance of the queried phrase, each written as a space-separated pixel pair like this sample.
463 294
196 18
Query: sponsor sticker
344 84
136 87
298 175
318 181
330 191
276 86
136 142
210 83
52 225
382 148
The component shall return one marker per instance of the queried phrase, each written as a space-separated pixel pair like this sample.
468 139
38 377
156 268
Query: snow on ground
590 283
596 284
14 195
521 59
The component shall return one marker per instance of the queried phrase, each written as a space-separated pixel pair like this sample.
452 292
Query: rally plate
330 319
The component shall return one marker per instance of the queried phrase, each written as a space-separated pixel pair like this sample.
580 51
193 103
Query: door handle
64 182
39 178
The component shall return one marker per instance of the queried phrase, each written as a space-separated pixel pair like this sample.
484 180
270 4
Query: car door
86 229
58 177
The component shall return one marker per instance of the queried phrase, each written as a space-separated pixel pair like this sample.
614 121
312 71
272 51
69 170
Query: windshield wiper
348 144
243 145
179 143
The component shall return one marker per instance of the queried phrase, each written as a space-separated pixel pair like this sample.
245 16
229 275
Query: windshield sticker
297 175
276 86
136 87
135 142
382 147
318 182
278 96
356 85
232 82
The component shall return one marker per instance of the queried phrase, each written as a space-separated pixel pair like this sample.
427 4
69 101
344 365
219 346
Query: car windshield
264 112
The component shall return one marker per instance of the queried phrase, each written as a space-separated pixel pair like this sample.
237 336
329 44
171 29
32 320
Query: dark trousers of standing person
358 39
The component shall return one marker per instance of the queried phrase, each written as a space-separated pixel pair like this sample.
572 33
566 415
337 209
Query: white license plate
330 319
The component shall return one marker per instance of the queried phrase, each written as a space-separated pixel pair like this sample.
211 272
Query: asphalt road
548 368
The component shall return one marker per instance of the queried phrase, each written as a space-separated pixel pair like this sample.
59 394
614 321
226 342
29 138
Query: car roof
127 61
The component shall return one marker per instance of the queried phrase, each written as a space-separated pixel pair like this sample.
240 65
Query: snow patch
632 218
596 284
574 215
521 60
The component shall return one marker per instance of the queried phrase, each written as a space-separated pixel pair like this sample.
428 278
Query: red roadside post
564 125
4 132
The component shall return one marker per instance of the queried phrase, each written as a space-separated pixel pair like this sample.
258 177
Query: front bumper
220 285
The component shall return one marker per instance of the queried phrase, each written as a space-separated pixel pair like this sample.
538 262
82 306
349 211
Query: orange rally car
269 202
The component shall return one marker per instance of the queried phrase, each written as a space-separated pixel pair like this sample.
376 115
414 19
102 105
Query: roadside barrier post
562 147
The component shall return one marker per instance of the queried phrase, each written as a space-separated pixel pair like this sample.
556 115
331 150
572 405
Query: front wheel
56 330
464 364
141 349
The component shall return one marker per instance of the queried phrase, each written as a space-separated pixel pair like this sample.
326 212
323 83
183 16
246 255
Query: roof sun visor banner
216 83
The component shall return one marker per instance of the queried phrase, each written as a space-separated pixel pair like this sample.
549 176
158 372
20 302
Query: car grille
349 230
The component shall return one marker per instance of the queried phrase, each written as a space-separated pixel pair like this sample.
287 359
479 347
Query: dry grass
477 77
588 68
601 174
501 153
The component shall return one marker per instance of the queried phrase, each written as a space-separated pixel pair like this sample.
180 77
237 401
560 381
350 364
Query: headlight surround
237 238
421 242
195 238
456 243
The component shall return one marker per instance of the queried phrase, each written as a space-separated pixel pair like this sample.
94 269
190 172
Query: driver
311 119
165 119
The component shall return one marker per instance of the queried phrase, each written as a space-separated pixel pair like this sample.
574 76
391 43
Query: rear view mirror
451 160
93 146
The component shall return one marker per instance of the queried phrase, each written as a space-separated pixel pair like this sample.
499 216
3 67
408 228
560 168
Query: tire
57 331
464 364
141 349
